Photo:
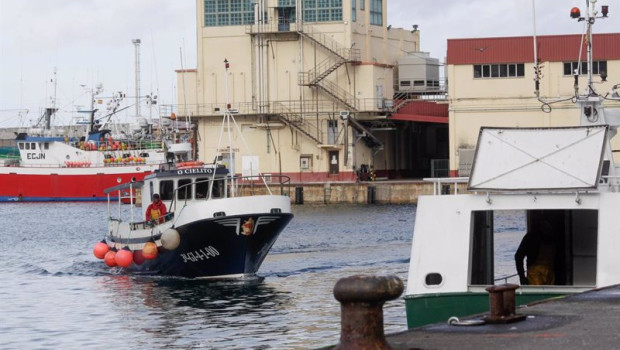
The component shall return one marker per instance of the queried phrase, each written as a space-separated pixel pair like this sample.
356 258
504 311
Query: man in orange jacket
156 211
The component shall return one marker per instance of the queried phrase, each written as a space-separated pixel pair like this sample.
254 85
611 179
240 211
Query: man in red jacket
156 211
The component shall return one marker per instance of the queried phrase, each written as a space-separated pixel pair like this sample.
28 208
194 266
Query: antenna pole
590 18
536 68
136 43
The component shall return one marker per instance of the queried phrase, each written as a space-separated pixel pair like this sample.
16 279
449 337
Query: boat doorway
497 236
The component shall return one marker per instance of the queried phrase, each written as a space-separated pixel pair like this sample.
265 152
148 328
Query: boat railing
440 182
505 278
236 186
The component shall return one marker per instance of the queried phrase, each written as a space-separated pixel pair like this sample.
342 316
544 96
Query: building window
506 70
322 10
405 83
353 11
332 132
598 67
305 161
228 12
376 12
362 5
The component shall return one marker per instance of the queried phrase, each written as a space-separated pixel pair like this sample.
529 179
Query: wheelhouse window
184 189
21 145
166 189
219 189
202 188
507 70
598 67
564 240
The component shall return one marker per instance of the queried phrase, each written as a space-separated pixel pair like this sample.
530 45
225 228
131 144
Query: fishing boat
217 224
562 182
56 166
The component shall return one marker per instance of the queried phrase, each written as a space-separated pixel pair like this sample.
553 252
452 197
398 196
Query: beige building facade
491 82
305 81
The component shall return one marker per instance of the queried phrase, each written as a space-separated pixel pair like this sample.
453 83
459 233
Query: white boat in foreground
561 181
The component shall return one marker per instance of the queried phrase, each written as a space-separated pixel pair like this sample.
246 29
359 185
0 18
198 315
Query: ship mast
136 43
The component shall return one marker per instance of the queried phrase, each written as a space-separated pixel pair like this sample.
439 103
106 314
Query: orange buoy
124 257
109 258
149 250
138 257
100 249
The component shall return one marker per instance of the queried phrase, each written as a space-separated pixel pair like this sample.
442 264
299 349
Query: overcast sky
89 41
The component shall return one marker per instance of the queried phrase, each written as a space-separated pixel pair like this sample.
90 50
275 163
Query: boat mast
136 43
228 126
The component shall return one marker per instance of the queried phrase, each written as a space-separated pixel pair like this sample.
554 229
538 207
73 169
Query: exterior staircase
339 55
296 121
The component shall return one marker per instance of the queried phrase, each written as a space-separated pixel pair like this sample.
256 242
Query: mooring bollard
502 304
361 303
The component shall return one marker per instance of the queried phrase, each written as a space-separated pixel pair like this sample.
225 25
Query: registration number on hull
200 254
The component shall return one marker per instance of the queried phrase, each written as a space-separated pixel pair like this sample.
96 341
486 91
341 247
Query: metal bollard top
368 288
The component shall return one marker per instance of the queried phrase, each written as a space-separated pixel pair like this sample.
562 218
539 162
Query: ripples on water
56 295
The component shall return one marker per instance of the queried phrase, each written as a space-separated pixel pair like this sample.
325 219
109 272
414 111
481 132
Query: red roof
423 111
551 48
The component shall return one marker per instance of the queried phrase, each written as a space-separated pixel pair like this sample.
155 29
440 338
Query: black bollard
361 303
502 304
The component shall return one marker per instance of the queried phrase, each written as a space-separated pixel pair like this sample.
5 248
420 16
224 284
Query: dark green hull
434 308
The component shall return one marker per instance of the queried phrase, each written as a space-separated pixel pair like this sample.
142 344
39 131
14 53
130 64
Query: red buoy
100 249
124 257
149 250
109 258
138 257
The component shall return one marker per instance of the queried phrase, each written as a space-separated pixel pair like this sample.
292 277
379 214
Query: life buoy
186 165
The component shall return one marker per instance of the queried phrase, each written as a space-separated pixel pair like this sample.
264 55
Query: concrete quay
589 320
366 192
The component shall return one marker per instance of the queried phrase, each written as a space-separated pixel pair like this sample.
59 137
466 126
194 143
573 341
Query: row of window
504 70
508 70
187 190
421 83
32 145
598 67
241 12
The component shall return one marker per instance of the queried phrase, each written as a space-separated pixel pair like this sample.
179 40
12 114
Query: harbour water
56 295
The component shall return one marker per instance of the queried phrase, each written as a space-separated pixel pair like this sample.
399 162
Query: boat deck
588 320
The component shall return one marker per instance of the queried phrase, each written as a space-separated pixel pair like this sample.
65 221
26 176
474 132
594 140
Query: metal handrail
439 181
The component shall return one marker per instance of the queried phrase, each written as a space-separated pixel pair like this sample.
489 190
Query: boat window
560 244
433 279
27 145
218 189
46 145
184 189
33 145
21 145
202 188
166 189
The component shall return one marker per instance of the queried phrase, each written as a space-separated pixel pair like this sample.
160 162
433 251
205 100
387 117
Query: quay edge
377 192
